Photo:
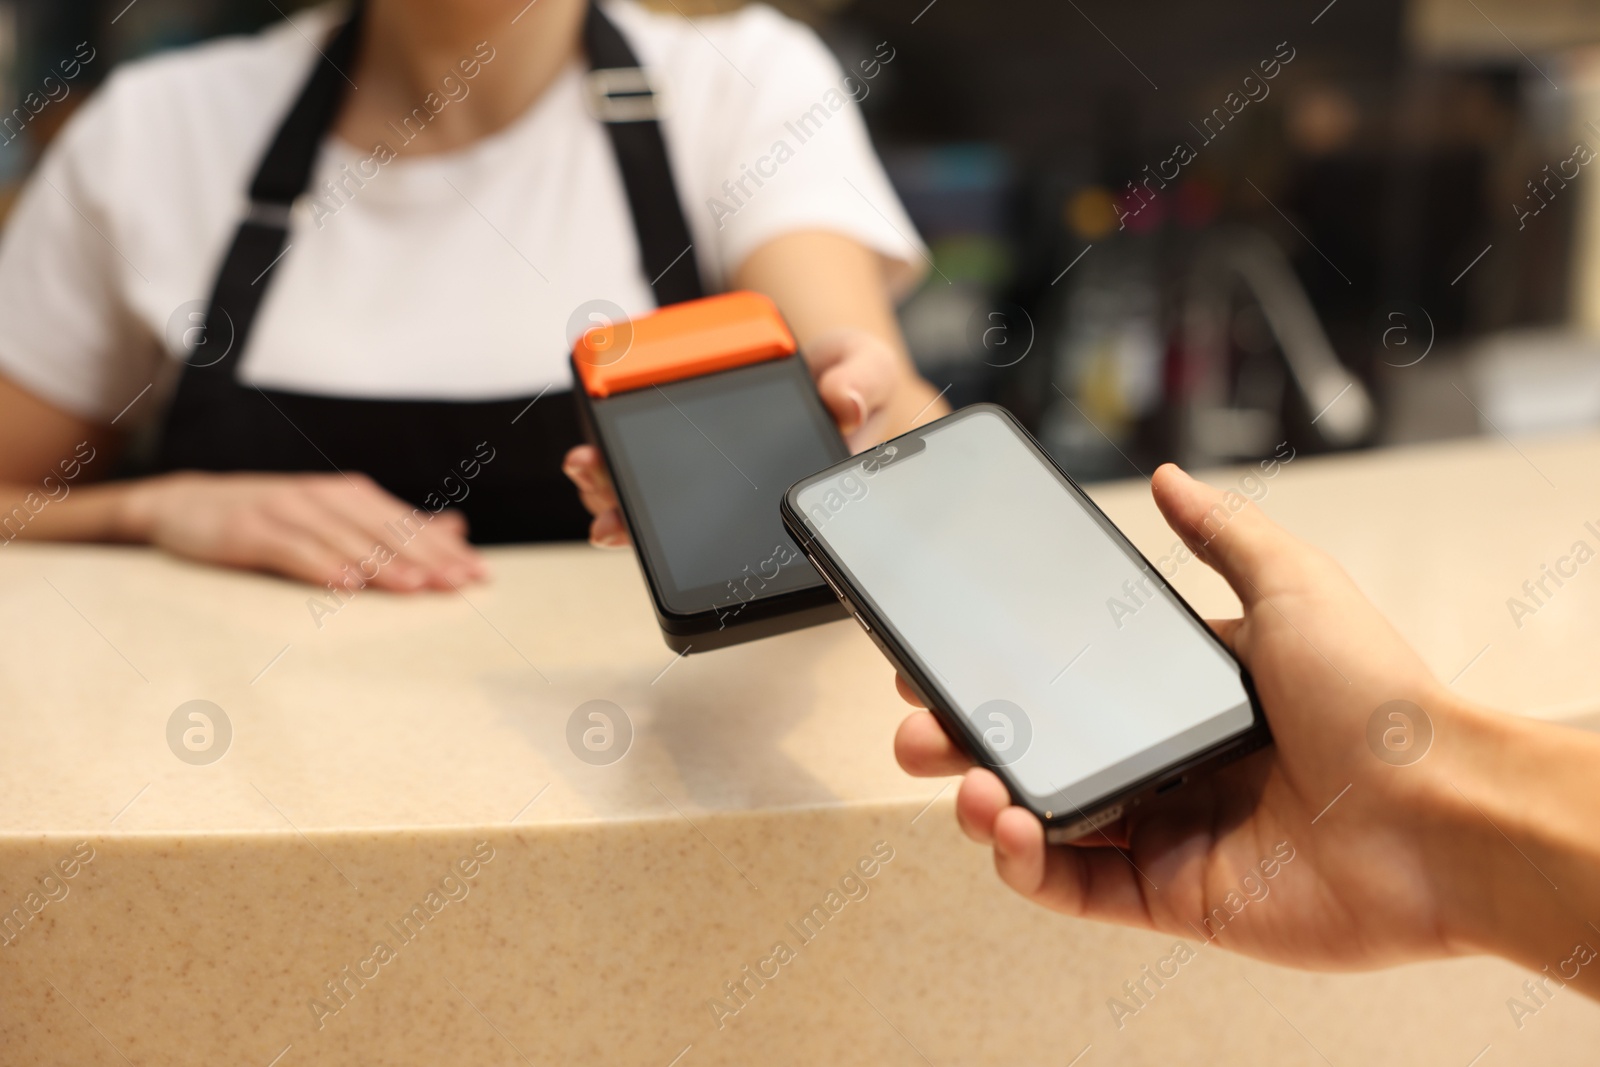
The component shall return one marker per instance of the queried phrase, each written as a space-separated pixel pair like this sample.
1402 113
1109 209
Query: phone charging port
1167 787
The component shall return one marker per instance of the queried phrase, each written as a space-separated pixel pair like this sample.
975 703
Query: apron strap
285 172
621 97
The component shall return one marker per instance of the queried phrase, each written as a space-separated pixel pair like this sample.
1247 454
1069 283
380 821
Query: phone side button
818 568
863 622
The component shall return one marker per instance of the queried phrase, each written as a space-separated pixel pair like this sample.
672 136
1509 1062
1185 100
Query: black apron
418 449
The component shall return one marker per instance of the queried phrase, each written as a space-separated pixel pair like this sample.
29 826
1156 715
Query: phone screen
709 459
1081 672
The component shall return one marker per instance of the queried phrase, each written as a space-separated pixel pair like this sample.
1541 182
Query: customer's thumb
1224 529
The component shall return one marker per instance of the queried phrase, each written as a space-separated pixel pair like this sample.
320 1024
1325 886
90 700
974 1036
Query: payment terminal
706 413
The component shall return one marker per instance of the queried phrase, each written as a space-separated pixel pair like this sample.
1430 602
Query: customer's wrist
1513 834
1465 802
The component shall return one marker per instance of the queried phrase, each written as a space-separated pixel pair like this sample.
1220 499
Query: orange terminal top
680 341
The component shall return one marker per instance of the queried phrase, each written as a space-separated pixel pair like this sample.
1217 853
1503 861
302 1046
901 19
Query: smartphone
1046 644
700 458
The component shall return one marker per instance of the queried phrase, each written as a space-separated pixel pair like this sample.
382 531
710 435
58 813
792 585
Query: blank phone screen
709 460
1078 669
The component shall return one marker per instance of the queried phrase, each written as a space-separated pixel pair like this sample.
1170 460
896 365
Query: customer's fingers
924 750
980 800
1095 883
1021 856
1226 530
1227 630
908 694
1112 835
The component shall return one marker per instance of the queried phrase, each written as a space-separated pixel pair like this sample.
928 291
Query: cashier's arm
314 527
834 294
835 297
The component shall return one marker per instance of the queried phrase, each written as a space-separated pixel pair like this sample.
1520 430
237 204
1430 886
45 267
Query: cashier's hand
859 378
1356 890
317 528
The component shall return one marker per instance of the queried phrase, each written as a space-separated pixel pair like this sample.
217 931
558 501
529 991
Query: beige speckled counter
400 859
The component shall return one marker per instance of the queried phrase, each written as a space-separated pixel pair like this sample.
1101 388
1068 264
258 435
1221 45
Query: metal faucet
1341 409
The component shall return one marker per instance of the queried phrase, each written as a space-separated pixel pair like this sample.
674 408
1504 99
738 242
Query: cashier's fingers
608 530
587 469
317 535
856 374
268 543
394 545
441 552
374 538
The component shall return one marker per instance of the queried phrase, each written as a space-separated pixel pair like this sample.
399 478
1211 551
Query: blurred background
1169 230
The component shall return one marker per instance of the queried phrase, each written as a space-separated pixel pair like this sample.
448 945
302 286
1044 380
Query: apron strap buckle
622 94
269 215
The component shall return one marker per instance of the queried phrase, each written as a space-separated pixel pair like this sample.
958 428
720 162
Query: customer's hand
1370 882
317 528
860 378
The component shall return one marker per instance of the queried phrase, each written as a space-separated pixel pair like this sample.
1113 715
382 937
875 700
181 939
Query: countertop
377 748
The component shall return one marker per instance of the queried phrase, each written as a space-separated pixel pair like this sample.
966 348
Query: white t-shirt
446 276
